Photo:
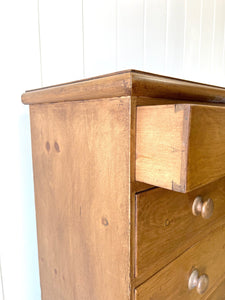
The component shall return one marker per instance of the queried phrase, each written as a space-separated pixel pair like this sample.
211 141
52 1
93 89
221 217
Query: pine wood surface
161 145
180 146
127 83
157 86
166 227
208 256
84 173
82 192
206 157
117 85
141 186
219 292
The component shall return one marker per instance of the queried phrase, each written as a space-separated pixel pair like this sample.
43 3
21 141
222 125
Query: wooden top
126 83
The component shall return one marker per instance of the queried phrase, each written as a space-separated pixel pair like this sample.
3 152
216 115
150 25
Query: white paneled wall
175 28
100 36
1 285
217 64
155 35
130 35
47 42
192 39
206 40
20 70
61 40
180 38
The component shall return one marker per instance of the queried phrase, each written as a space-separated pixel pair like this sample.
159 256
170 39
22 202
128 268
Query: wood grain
219 293
175 151
156 86
206 157
114 85
166 227
82 192
208 256
84 172
127 83
161 145
140 186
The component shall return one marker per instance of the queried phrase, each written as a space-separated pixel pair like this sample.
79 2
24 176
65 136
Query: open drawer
180 146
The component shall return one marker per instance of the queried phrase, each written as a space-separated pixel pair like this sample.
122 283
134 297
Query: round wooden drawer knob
199 282
204 208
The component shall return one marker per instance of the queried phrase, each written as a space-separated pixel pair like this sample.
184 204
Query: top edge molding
126 83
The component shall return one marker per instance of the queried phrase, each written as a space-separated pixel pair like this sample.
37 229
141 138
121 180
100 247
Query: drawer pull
199 282
204 208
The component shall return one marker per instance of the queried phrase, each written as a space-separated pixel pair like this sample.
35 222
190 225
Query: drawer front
180 147
208 256
219 293
166 226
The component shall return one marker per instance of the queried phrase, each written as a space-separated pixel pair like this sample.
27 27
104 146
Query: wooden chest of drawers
129 175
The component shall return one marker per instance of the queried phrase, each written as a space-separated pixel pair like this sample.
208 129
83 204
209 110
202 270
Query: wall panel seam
184 38
200 35
144 34
1 283
39 42
82 9
213 35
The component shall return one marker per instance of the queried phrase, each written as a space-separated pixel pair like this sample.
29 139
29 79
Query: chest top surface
126 83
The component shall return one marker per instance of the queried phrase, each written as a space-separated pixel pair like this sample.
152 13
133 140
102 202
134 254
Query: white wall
51 41
20 69
181 38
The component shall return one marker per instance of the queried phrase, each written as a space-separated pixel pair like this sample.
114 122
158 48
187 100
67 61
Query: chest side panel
81 176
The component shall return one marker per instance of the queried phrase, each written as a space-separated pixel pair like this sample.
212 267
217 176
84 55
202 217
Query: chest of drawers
129 176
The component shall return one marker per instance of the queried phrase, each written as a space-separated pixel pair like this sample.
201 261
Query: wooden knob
204 208
201 283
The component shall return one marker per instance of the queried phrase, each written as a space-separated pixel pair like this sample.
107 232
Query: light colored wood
161 145
114 85
134 188
208 256
156 86
82 192
219 293
206 157
84 156
127 83
166 227
175 151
